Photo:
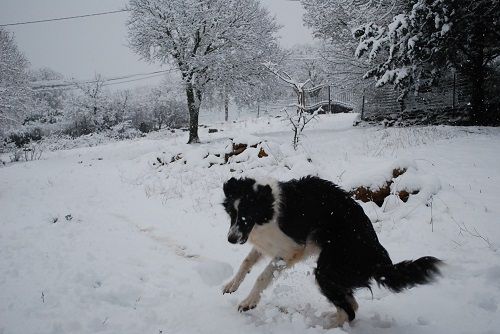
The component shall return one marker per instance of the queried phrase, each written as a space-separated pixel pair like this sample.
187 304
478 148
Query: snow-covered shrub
24 136
29 152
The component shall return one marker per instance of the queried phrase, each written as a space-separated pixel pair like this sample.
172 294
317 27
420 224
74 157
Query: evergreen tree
433 37
334 21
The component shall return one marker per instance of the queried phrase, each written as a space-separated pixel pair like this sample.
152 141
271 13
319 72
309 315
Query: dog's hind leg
341 297
247 264
353 302
265 278
333 278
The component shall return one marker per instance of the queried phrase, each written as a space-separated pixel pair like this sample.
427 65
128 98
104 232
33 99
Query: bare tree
301 118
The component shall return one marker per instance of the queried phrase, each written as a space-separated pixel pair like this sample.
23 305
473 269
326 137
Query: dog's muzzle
235 236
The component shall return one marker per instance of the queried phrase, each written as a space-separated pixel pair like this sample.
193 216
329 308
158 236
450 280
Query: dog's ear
265 193
235 188
231 188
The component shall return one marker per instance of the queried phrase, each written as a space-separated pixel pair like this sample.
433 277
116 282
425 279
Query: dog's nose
232 239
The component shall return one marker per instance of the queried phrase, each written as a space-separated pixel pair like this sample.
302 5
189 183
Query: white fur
265 278
234 230
275 189
252 258
270 240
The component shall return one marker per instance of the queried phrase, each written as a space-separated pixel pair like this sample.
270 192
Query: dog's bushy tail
407 274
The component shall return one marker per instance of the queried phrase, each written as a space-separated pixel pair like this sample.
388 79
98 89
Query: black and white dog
289 221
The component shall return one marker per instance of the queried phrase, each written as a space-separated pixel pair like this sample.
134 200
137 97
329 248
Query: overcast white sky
82 47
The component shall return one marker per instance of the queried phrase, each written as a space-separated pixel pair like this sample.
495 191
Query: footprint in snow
213 273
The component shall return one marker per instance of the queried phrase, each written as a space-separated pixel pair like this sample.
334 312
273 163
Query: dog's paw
249 303
334 320
230 287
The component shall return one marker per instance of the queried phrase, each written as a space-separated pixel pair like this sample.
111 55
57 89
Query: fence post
363 106
454 88
329 99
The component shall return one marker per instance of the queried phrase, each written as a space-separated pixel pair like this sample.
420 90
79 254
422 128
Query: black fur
313 209
256 206
407 274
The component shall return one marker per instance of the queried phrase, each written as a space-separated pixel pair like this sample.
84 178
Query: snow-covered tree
165 109
259 93
15 93
89 108
49 102
243 77
151 108
306 62
431 37
199 37
334 22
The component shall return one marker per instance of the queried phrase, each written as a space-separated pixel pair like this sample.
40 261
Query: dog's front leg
265 278
245 268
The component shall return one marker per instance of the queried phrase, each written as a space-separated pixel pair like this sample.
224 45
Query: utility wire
138 79
64 18
63 84
107 82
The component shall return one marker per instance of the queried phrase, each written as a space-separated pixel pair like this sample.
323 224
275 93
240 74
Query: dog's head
247 204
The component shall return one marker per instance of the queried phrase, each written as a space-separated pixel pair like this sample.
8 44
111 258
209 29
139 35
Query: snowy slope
107 240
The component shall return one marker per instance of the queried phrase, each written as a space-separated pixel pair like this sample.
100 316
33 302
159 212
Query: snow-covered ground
107 239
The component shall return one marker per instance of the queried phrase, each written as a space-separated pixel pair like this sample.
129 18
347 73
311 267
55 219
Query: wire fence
329 98
452 93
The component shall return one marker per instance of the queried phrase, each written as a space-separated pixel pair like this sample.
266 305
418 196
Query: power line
64 83
64 18
68 85
138 79
127 76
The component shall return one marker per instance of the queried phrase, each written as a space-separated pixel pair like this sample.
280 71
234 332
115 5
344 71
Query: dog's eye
227 206
229 209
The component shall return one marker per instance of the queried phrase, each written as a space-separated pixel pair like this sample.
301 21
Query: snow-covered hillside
130 237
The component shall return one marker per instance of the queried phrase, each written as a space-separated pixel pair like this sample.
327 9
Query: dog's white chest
271 241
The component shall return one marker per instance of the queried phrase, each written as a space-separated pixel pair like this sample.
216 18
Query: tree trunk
477 76
194 111
226 108
477 97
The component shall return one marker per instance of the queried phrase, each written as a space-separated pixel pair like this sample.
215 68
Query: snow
396 76
445 28
105 239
